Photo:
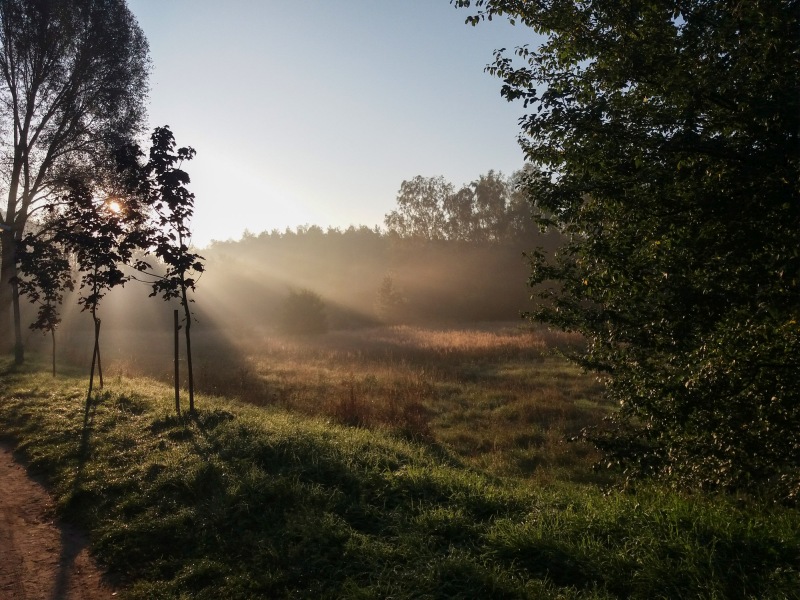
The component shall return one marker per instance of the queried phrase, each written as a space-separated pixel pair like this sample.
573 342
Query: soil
40 558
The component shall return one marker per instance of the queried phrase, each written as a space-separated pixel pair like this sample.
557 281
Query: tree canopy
73 78
665 140
488 209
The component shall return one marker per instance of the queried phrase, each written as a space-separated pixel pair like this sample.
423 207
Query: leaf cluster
160 185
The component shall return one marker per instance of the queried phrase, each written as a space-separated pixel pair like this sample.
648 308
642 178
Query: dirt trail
39 558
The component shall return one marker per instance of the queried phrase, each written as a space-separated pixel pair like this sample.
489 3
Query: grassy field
407 463
501 397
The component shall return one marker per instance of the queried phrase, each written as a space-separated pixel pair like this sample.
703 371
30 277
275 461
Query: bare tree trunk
189 371
95 359
53 338
177 367
19 350
97 350
7 272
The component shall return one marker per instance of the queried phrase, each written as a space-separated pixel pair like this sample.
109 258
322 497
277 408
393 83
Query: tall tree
667 138
73 78
419 210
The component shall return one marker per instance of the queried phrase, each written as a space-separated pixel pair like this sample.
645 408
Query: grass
498 396
241 501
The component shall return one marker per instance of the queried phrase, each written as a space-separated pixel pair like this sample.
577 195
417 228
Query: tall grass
500 396
261 502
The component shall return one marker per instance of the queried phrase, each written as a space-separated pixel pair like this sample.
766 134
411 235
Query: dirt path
40 559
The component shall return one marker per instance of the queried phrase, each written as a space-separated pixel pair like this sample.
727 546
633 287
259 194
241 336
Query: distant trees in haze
303 313
448 255
488 209
390 303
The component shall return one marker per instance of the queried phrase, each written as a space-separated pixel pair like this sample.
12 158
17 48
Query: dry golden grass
497 397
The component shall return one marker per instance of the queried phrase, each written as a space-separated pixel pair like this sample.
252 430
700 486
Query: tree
45 276
102 234
419 208
73 77
390 303
429 208
666 140
161 185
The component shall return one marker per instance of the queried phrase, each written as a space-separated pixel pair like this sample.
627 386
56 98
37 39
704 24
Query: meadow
402 462
500 396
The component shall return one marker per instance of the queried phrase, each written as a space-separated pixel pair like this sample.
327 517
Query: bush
303 312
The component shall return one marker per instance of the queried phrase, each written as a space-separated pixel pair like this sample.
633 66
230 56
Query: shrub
303 312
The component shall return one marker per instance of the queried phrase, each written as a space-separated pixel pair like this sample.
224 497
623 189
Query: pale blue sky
315 112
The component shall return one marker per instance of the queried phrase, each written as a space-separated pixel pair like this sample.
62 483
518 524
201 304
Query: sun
114 206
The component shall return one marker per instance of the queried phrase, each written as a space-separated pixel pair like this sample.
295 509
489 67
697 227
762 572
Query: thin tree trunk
97 350
94 358
6 292
53 338
19 350
177 367
189 371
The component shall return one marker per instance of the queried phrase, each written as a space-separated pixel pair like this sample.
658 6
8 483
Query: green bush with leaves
666 141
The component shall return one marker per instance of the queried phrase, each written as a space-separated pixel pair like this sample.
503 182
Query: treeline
445 255
407 272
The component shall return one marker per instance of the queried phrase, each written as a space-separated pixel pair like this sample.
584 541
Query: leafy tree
490 193
161 182
419 210
45 276
488 209
73 77
665 134
102 237
303 312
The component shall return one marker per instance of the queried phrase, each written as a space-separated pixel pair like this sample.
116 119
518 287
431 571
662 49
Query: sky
315 112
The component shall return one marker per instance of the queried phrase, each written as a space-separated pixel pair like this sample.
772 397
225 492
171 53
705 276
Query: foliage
102 235
45 276
303 312
488 209
73 77
174 206
239 502
442 280
666 137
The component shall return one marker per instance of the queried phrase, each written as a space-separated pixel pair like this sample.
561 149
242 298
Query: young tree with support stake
666 134
162 183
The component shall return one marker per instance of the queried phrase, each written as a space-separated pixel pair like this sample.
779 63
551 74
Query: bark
9 299
6 273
